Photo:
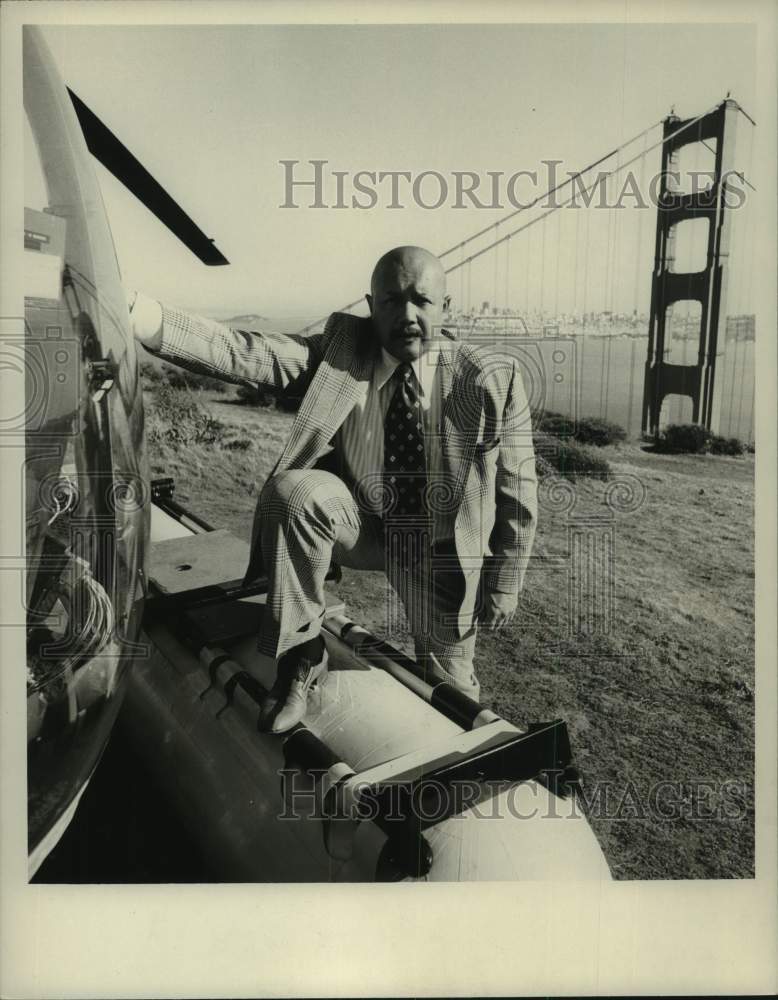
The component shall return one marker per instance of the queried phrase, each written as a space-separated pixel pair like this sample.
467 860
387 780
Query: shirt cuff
146 316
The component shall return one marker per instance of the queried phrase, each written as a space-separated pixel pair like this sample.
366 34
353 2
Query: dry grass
656 684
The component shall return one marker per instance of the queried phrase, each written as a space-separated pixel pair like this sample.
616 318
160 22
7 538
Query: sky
211 112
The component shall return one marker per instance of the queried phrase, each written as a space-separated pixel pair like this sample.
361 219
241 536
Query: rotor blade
115 156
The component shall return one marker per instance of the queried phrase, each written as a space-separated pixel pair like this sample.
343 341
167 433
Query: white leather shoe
299 671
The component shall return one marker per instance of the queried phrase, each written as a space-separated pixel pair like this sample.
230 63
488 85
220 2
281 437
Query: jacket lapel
460 421
342 377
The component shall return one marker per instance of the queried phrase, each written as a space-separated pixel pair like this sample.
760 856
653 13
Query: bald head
407 290
411 260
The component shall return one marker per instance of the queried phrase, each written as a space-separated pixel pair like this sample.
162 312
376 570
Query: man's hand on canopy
498 610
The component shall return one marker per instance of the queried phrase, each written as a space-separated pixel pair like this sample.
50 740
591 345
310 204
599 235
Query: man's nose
411 316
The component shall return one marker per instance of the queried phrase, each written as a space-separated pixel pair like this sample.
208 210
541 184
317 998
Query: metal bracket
102 374
162 489
393 794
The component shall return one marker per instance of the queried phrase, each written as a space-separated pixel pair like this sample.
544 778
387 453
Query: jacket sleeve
272 361
515 496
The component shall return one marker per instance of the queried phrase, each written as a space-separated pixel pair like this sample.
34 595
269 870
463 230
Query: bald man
411 453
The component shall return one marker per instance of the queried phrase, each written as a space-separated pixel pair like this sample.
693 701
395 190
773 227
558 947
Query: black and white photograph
389 440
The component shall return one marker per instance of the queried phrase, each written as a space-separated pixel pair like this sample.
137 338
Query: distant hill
278 324
248 321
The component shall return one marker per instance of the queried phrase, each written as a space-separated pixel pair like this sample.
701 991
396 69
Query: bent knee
295 492
283 485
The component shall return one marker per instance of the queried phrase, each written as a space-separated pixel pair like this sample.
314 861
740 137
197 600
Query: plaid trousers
486 498
309 517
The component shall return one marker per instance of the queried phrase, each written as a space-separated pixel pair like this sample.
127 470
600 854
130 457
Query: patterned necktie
405 462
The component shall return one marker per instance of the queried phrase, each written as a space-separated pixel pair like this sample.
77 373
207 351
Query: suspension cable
554 189
603 177
524 208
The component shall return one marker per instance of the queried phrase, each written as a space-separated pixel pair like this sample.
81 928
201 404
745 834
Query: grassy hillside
645 648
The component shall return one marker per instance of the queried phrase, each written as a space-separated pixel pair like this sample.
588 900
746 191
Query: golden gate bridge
632 276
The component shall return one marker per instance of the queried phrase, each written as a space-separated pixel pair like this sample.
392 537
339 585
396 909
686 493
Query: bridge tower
708 287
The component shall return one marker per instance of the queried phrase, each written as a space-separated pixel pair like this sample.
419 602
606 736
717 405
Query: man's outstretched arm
266 360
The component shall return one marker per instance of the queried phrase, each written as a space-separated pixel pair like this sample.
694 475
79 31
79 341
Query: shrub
288 404
150 375
179 378
684 439
238 444
598 432
553 423
252 396
154 376
568 460
588 430
178 417
543 467
696 440
726 446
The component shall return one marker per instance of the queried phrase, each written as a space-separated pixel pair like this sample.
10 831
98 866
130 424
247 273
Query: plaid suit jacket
487 499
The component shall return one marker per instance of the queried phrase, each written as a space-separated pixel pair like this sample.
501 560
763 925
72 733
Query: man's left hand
498 610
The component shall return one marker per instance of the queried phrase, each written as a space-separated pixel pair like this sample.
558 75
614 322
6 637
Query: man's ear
369 300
